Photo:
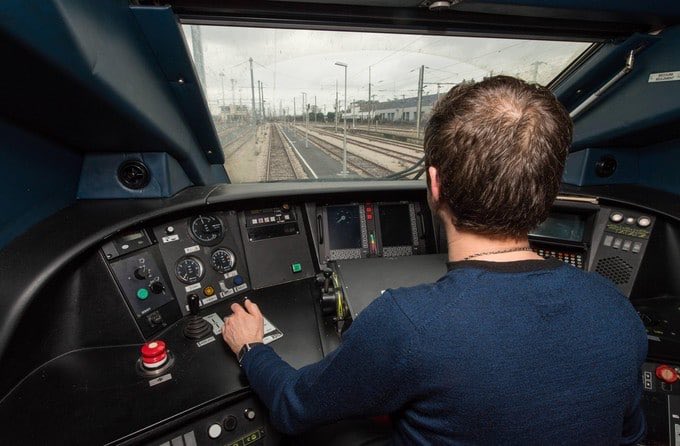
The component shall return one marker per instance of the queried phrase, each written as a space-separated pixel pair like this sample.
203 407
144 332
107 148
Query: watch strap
245 349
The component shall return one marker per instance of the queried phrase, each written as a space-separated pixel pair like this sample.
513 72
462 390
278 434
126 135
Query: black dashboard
131 322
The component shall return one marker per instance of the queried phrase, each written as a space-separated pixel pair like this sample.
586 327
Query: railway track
232 147
279 163
396 154
355 162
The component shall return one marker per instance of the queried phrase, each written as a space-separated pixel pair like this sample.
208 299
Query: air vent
605 166
615 269
133 174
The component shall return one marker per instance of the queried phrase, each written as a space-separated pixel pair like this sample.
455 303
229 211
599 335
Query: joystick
196 327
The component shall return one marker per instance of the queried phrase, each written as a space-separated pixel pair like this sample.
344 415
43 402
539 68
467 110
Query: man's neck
465 244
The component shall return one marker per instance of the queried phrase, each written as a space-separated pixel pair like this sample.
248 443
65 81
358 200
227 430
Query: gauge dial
207 229
189 270
223 260
344 216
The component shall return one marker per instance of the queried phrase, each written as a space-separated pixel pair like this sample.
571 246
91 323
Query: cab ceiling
570 19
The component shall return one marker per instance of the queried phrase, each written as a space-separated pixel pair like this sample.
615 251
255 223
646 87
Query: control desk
150 349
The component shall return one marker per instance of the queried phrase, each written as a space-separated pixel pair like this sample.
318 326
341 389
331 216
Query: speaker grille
615 269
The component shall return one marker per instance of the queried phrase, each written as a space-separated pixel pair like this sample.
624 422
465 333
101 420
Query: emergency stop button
154 354
667 374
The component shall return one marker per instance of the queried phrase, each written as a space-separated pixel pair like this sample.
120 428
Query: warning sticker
666 76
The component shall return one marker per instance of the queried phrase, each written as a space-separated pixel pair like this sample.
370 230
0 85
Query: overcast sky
290 62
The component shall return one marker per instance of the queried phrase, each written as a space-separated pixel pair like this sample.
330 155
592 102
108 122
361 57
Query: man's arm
369 374
634 424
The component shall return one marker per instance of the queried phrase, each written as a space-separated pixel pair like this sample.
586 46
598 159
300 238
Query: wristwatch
245 349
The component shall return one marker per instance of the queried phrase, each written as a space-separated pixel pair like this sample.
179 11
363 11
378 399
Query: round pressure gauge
206 229
189 270
223 260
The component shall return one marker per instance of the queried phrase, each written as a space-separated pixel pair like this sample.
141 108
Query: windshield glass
301 104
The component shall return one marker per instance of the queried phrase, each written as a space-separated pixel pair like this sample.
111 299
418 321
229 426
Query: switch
154 319
142 293
608 239
214 431
617 243
156 287
637 247
643 221
249 414
616 217
142 272
238 280
296 267
626 245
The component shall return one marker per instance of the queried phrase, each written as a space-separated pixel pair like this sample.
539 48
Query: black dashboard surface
91 383
73 389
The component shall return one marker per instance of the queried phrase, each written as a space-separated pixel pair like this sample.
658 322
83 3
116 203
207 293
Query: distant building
234 112
404 109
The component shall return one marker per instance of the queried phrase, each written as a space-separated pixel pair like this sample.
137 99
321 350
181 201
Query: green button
142 293
296 267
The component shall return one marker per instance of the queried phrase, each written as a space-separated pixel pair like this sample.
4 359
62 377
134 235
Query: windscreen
294 105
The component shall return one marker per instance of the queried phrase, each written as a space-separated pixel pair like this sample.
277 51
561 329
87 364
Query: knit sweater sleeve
370 373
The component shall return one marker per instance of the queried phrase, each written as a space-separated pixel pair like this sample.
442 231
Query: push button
617 243
296 267
238 280
142 293
637 247
626 245
214 431
608 239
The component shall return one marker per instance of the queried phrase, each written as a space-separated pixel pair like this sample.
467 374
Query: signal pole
259 100
420 100
252 89
336 106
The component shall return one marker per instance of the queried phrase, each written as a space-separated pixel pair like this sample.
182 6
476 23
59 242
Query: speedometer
189 270
207 229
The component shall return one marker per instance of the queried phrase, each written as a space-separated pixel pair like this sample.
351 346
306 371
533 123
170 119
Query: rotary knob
142 272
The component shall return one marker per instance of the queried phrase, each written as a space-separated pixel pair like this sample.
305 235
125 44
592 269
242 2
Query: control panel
362 230
204 258
563 236
242 423
136 264
661 403
622 247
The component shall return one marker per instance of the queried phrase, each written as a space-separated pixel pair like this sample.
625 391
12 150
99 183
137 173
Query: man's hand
243 327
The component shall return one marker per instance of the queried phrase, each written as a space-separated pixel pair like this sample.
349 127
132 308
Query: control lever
196 327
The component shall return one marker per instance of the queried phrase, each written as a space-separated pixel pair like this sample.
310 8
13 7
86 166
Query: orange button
208 291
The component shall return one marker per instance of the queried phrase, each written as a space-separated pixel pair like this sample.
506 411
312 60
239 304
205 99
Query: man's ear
434 183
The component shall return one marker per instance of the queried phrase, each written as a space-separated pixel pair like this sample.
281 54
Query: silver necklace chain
502 251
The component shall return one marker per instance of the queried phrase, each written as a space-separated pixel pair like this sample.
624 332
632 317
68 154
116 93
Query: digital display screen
395 225
563 227
344 227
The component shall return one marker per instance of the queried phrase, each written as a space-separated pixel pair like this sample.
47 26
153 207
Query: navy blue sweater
527 352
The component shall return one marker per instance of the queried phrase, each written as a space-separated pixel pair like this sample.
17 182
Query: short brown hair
500 146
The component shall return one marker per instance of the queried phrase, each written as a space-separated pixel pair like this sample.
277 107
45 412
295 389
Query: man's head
495 152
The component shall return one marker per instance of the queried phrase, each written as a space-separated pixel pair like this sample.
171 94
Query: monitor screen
344 227
395 225
562 227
